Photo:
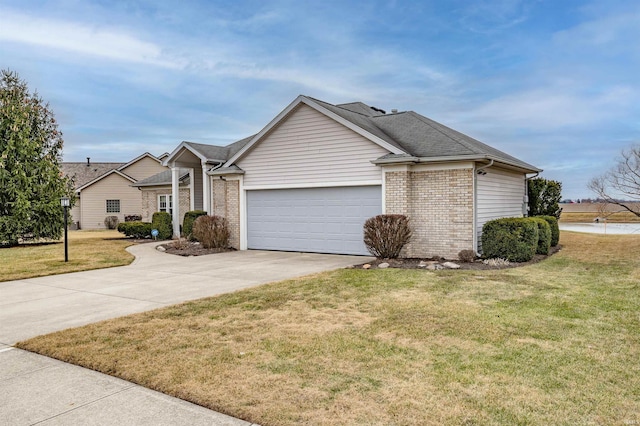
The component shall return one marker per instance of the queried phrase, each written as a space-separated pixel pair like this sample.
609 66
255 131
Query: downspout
212 201
478 171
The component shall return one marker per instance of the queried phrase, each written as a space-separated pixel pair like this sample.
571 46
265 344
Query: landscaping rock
451 265
434 267
383 265
160 248
366 266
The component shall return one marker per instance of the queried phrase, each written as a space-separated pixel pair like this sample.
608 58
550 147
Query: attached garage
321 220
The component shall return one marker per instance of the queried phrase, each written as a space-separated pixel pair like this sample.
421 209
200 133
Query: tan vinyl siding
144 168
93 208
500 193
197 183
310 148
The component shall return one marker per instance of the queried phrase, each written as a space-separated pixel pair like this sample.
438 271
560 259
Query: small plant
162 222
180 244
111 222
132 218
212 232
385 235
187 224
467 256
496 261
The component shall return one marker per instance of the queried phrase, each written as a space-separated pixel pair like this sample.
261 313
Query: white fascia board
359 130
99 178
168 162
138 158
301 99
265 130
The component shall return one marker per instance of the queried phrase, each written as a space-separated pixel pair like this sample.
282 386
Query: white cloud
81 39
553 108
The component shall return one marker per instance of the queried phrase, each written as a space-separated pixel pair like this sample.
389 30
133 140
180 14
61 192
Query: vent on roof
394 111
88 161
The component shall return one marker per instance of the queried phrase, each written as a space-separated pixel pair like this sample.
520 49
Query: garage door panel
325 220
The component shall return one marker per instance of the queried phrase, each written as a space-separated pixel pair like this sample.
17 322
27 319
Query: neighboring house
309 179
105 189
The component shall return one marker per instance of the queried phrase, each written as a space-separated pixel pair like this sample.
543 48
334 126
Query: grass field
87 250
557 342
588 217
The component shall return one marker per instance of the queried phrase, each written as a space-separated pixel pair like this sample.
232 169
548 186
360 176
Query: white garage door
321 220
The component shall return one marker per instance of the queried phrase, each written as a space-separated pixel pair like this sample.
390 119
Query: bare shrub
212 231
385 235
180 244
111 222
467 256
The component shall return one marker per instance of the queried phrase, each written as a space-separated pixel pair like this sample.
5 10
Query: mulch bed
190 248
478 265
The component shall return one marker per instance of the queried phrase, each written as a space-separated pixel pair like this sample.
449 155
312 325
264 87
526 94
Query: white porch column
175 195
206 190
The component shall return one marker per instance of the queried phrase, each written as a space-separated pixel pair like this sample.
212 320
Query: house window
165 203
113 206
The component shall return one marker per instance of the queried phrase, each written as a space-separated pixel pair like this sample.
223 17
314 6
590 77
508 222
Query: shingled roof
412 137
83 173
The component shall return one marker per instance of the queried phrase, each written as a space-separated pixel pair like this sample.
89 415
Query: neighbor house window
165 203
113 206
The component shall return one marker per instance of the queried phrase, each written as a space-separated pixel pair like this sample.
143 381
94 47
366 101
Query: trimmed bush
513 239
111 222
187 223
385 235
132 218
212 232
555 229
135 229
162 222
544 235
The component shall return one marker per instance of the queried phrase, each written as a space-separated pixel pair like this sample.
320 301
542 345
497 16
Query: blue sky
553 82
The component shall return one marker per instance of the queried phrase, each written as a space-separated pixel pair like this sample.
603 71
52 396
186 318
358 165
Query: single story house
312 176
105 189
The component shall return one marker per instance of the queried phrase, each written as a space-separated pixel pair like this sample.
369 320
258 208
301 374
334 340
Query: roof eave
219 172
456 158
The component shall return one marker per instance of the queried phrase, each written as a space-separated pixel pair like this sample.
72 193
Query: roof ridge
342 108
438 127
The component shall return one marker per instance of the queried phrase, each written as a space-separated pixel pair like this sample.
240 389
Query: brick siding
226 203
150 202
439 204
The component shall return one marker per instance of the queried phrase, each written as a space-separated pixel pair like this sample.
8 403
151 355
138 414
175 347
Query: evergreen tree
31 183
544 196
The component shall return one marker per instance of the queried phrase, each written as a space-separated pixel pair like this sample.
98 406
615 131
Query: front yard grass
87 250
557 342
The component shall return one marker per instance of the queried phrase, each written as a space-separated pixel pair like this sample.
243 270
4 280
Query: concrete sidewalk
38 390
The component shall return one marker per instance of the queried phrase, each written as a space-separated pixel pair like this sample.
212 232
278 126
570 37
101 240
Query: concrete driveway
35 389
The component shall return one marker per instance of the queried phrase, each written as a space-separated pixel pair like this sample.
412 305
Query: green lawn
553 343
87 250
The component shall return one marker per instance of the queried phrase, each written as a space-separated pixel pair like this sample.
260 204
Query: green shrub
212 231
187 223
544 235
385 235
162 222
135 229
513 239
555 229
